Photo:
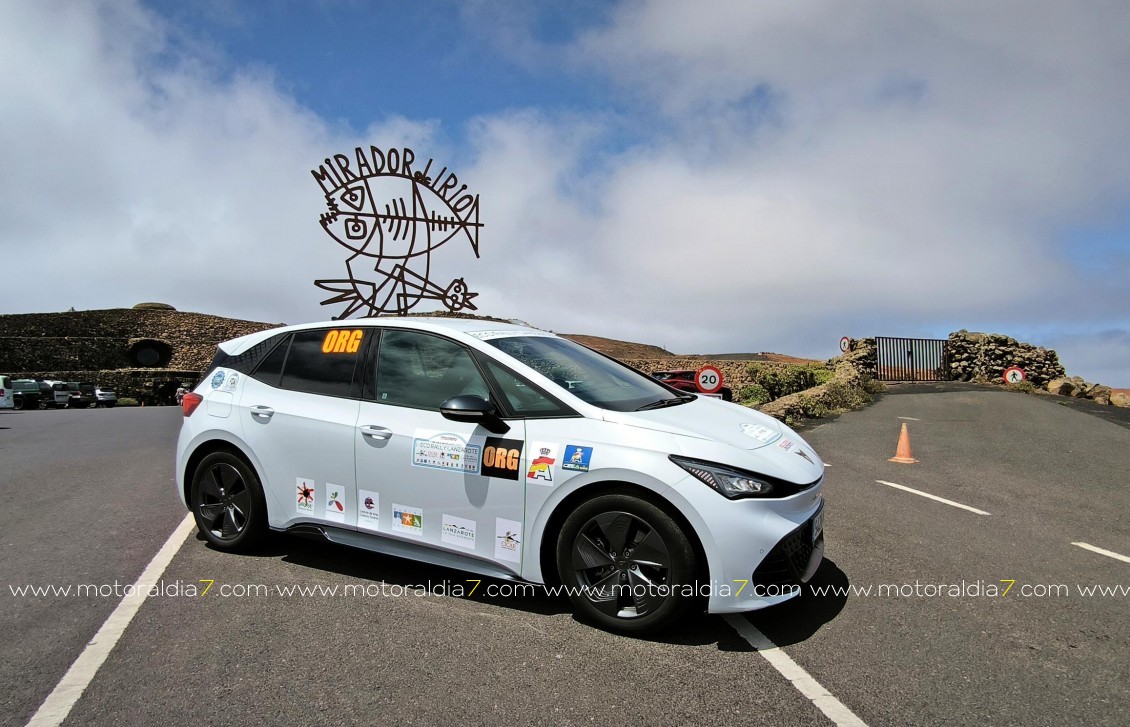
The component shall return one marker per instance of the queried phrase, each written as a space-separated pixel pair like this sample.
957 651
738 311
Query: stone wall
734 373
101 346
985 356
101 339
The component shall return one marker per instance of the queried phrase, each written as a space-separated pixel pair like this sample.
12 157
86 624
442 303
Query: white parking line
932 497
62 699
910 419
832 708
1100 551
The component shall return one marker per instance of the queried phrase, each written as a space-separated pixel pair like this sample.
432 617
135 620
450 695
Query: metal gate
911 359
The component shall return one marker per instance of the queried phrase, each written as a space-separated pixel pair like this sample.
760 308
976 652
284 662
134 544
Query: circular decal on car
217 379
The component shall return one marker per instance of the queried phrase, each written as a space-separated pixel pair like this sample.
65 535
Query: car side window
422 371
270 368
523 397
322 361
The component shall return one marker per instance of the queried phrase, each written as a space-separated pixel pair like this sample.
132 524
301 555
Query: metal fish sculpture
391 217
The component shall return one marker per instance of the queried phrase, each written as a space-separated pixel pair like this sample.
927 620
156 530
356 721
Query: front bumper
759 552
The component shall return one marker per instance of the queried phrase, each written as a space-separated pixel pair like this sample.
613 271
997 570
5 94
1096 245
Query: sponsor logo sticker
760 432
785 444
576 458
541 466
458 531
217 379
306 491
408 520
335 503
368 509
232 382
445 451
507 540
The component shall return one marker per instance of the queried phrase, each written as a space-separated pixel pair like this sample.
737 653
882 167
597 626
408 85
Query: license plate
818 524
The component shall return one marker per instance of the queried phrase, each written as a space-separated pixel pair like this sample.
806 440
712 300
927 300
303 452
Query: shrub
1025 387
778 380
812 407
840 395
126 401
753 395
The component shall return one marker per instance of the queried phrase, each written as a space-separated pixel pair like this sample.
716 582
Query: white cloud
803 171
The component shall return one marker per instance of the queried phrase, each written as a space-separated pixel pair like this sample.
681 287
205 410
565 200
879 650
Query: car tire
18 403
227 502
42 404
623 540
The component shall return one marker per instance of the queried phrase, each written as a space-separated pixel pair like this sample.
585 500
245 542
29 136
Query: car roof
472 327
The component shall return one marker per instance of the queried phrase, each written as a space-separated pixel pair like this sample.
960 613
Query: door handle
262 411
370 430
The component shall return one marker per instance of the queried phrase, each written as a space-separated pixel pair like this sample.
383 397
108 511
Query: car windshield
589 376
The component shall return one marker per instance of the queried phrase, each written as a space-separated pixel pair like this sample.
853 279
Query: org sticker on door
508 540
306 491
408 520
368 510
502 458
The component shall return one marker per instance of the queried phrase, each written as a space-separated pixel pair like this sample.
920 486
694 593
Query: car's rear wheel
18 403
626 564
227 502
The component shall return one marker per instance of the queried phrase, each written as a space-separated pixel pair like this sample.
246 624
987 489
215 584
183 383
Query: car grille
787 561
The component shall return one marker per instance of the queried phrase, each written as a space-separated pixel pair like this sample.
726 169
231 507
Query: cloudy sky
709 177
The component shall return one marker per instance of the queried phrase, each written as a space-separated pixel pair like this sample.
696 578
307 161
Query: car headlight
732 483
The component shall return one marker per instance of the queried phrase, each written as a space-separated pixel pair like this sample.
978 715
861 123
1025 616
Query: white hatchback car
505 451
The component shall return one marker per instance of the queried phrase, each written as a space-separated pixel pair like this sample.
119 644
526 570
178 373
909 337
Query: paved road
90 500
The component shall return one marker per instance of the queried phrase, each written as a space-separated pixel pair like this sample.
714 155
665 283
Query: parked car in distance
683 380
105 397
26 394
82 394
7 399
60 395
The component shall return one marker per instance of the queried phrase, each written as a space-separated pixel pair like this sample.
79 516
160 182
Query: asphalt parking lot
881 630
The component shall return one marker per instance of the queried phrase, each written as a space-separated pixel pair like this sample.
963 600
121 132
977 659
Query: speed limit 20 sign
708 379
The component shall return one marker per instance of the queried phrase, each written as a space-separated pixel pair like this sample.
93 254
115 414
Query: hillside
619 349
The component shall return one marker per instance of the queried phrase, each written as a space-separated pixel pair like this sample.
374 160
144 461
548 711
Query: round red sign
708 379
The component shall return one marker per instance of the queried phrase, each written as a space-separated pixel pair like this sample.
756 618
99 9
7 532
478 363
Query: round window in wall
149 353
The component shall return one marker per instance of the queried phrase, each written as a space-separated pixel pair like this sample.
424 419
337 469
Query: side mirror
475 409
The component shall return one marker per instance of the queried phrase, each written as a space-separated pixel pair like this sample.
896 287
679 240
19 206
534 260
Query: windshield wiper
666 402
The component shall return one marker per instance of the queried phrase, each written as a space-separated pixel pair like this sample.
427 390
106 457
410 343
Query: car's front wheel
626 564
227 502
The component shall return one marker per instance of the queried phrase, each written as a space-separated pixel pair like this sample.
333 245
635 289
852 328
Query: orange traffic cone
902 454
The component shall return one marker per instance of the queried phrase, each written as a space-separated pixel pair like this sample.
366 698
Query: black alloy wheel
627 564
227 502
